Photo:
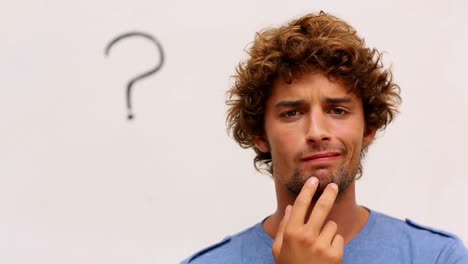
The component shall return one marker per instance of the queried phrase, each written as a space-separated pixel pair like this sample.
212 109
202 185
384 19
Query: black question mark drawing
130 84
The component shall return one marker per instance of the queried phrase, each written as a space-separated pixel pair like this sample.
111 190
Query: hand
314 241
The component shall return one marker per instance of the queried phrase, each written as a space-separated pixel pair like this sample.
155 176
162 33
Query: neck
346 213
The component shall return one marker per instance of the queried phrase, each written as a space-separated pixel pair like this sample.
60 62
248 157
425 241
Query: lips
321 156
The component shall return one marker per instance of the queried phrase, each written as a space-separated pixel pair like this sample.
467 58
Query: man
309 101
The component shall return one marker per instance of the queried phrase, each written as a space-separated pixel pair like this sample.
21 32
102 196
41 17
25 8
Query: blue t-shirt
383 239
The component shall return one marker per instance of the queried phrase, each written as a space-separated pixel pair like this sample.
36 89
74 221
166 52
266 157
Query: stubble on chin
341 177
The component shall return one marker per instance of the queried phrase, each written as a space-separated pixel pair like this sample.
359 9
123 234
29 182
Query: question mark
143 75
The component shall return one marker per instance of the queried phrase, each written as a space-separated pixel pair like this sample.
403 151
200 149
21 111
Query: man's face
314 127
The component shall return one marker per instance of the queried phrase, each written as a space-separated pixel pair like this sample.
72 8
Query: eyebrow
328 100
290 103
338 100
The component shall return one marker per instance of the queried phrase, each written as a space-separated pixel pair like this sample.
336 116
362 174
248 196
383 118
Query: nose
317 128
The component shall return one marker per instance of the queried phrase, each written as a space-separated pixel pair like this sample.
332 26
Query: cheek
352 136
284 148
283 144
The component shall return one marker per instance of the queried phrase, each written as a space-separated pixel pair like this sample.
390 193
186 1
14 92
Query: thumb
278 243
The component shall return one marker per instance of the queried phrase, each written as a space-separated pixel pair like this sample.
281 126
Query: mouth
321 157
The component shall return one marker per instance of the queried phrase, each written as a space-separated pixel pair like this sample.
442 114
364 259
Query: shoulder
410 228
239 248
215 248
450 247
421 240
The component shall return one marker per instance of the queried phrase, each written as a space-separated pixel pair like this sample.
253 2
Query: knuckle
323 204
320 249
334 256
308 240
301 200
289 233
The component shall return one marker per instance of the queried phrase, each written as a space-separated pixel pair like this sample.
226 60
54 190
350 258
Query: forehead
312 84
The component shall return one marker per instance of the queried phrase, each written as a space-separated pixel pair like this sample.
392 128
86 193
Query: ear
262 144
368 137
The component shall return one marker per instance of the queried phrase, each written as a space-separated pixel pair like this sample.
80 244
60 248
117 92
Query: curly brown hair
314 42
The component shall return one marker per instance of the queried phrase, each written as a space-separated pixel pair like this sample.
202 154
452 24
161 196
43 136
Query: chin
325 176
299 178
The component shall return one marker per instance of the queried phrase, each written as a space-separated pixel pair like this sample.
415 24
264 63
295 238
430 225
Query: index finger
323 207
302 202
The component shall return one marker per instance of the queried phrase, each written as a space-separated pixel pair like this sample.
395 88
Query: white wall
80 184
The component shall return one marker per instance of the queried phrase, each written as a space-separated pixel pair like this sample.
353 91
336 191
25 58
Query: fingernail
313 180
333 185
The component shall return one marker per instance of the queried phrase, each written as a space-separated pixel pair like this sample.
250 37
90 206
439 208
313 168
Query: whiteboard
79 183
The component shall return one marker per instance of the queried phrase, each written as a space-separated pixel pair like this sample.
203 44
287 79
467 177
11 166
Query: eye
291 114
338 111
